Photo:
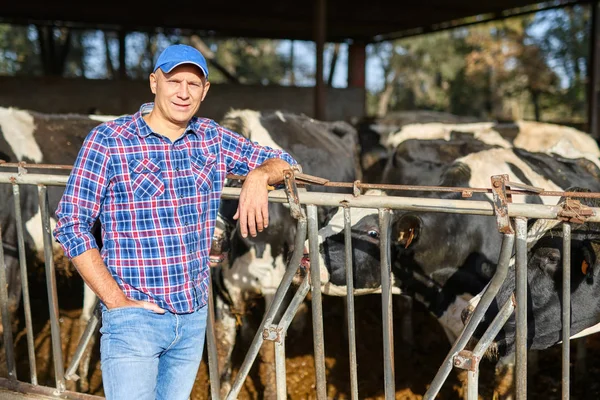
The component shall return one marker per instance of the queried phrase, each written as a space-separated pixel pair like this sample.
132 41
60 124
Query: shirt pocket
146 178
203 167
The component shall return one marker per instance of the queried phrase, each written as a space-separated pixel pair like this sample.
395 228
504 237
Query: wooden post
593 79
357 60
122 53
319 32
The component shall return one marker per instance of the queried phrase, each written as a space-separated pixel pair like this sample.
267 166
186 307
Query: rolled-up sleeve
243 155
80 204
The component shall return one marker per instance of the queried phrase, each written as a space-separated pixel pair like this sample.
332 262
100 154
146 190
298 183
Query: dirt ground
415 365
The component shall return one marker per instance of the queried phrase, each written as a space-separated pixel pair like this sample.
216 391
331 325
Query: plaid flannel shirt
157 202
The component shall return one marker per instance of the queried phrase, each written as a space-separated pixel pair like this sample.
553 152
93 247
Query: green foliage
19 54
253 61
531 67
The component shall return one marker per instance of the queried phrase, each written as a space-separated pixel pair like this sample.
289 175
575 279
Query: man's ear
153 82
206 87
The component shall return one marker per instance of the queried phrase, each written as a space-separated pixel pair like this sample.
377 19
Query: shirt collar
144 129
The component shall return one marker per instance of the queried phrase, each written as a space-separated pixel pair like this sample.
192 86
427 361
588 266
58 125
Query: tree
565 44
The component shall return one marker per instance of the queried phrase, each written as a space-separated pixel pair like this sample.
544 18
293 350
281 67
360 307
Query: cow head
365 239
544 286
544 298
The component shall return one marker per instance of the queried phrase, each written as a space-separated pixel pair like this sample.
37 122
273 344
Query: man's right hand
138 303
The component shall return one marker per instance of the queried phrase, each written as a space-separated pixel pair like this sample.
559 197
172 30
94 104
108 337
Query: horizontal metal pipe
474 207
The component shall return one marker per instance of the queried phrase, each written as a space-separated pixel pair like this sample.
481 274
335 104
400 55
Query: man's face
179 93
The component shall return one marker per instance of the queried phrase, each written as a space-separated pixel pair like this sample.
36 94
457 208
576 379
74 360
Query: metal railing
303 206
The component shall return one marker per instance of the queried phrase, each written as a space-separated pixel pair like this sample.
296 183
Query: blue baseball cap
179 54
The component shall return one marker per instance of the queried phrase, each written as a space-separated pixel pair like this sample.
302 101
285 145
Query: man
154 180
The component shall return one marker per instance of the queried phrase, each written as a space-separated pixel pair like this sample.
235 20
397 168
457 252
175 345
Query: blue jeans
145 355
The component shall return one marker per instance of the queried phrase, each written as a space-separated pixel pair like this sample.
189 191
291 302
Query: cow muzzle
304 269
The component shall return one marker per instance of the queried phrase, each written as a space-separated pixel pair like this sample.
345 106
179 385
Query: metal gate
512 222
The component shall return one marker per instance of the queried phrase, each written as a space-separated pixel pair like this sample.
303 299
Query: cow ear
406 229
589 260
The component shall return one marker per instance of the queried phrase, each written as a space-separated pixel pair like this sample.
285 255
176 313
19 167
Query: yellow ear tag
584 267
411 236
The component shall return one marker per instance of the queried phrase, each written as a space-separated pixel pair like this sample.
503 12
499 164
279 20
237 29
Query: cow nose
466 314
305 265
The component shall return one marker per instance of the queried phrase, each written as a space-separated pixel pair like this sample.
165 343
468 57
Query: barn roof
369 21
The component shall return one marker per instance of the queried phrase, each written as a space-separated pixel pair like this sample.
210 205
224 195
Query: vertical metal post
6 324
317 306
473 383
25 284
280 368
386 305
211 347
52 292
350 304
521 311
320 37
566 310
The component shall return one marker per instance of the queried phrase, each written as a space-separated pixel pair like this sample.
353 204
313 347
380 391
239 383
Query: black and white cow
255 265
544 286
528 135
34 138
445 259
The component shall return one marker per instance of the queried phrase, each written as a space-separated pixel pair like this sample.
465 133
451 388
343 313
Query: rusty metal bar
386 305
350 305
566 311
52 291
316 302
501 200
35 166
50 180
521 308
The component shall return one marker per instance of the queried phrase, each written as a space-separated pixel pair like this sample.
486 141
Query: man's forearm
272 169
94 272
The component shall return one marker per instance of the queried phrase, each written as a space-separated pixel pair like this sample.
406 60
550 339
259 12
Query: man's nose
184 90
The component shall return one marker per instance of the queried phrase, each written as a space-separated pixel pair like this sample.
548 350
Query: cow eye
554 258
373 233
